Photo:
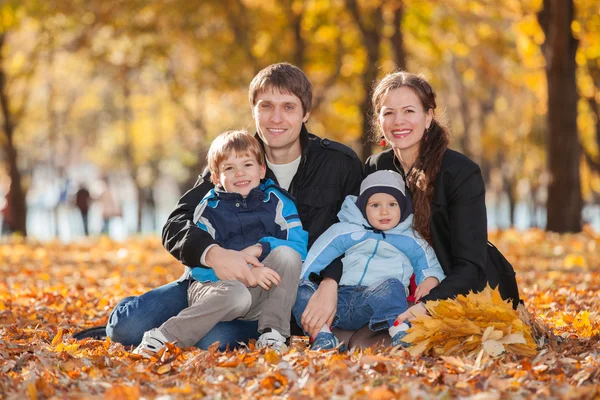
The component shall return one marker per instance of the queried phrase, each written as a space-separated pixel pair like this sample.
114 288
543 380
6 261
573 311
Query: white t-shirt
285 172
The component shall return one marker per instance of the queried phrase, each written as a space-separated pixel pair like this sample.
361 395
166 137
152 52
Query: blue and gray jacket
267 215
372 256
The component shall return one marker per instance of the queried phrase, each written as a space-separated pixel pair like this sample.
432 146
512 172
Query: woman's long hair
432 147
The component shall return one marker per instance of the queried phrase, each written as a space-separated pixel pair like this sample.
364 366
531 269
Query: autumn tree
12 110
564 150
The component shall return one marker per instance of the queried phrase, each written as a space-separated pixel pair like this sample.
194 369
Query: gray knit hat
389 182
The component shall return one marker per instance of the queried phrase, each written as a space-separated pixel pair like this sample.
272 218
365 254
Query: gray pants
213 302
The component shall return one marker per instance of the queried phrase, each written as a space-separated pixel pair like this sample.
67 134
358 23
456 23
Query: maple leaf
467 324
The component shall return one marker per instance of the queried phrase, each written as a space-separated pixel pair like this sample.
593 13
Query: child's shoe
327 341
397 339
273 339
152 342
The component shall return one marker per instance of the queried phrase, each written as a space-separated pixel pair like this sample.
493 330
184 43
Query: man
318 173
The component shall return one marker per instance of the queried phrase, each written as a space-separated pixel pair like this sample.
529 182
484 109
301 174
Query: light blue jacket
372 256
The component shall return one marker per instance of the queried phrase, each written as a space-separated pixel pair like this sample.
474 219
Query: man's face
279 117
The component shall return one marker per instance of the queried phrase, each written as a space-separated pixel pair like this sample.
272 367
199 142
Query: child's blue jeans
378 305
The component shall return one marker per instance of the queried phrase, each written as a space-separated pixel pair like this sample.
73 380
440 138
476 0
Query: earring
382 142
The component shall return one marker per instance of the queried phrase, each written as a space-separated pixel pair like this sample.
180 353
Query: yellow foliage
468 324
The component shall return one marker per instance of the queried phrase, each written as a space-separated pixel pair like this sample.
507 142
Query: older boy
244 216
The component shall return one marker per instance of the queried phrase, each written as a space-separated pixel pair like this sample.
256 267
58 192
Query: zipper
368 262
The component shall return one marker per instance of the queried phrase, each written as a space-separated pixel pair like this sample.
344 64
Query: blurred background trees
128 95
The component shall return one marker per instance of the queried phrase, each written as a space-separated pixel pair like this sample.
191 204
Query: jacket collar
255 194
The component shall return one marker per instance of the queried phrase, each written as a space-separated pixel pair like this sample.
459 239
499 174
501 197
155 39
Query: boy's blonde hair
240 142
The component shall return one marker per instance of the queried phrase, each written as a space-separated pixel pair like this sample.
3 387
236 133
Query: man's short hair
286 78
239 142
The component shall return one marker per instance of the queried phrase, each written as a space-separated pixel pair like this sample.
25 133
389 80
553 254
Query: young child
381 252
241 214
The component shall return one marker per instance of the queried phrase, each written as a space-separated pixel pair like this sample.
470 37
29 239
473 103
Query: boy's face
383 211
240 173
279 117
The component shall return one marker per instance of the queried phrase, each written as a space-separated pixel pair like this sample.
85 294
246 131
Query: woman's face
403 119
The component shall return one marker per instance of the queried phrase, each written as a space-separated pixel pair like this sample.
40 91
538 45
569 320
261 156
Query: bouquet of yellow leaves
467 324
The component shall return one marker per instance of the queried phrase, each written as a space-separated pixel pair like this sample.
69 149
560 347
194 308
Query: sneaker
272 339
152 342
327 341
397 339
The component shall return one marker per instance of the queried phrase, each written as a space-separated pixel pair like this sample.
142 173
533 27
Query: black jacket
458 222
327 173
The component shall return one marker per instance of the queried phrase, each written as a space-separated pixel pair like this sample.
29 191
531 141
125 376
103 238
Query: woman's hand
412 313
321 308
425 287
265 277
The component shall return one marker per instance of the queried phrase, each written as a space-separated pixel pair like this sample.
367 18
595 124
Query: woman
447 190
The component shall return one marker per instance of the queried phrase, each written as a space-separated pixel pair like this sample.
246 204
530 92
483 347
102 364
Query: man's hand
321 307
425 286
255 250
265 277
412 313
231 265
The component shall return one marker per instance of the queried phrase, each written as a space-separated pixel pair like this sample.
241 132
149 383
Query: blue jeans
378 305
135 315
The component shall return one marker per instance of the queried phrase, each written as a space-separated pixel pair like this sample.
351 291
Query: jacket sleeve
468 237
351 185
425 262
296 236
328 247
180 235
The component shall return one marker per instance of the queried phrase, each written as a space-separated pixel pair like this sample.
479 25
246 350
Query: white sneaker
152 342
274 340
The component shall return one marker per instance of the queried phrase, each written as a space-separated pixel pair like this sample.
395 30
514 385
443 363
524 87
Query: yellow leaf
163 369
272 357
58 337
32 390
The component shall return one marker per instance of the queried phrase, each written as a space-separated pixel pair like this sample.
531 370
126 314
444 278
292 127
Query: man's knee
284 259
305 292
123 328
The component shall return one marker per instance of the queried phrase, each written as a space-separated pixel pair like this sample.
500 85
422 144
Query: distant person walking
83 200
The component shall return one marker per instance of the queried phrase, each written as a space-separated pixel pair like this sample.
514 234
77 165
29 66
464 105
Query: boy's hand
425 287
231 265
265 277
255 250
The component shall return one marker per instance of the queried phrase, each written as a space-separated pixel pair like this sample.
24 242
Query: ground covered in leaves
48 291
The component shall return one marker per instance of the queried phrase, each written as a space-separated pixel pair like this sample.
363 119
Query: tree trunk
397 38
370 29
16 199
127 115
564 150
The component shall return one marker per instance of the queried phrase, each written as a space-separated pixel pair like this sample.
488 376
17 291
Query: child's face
240 173
383 211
